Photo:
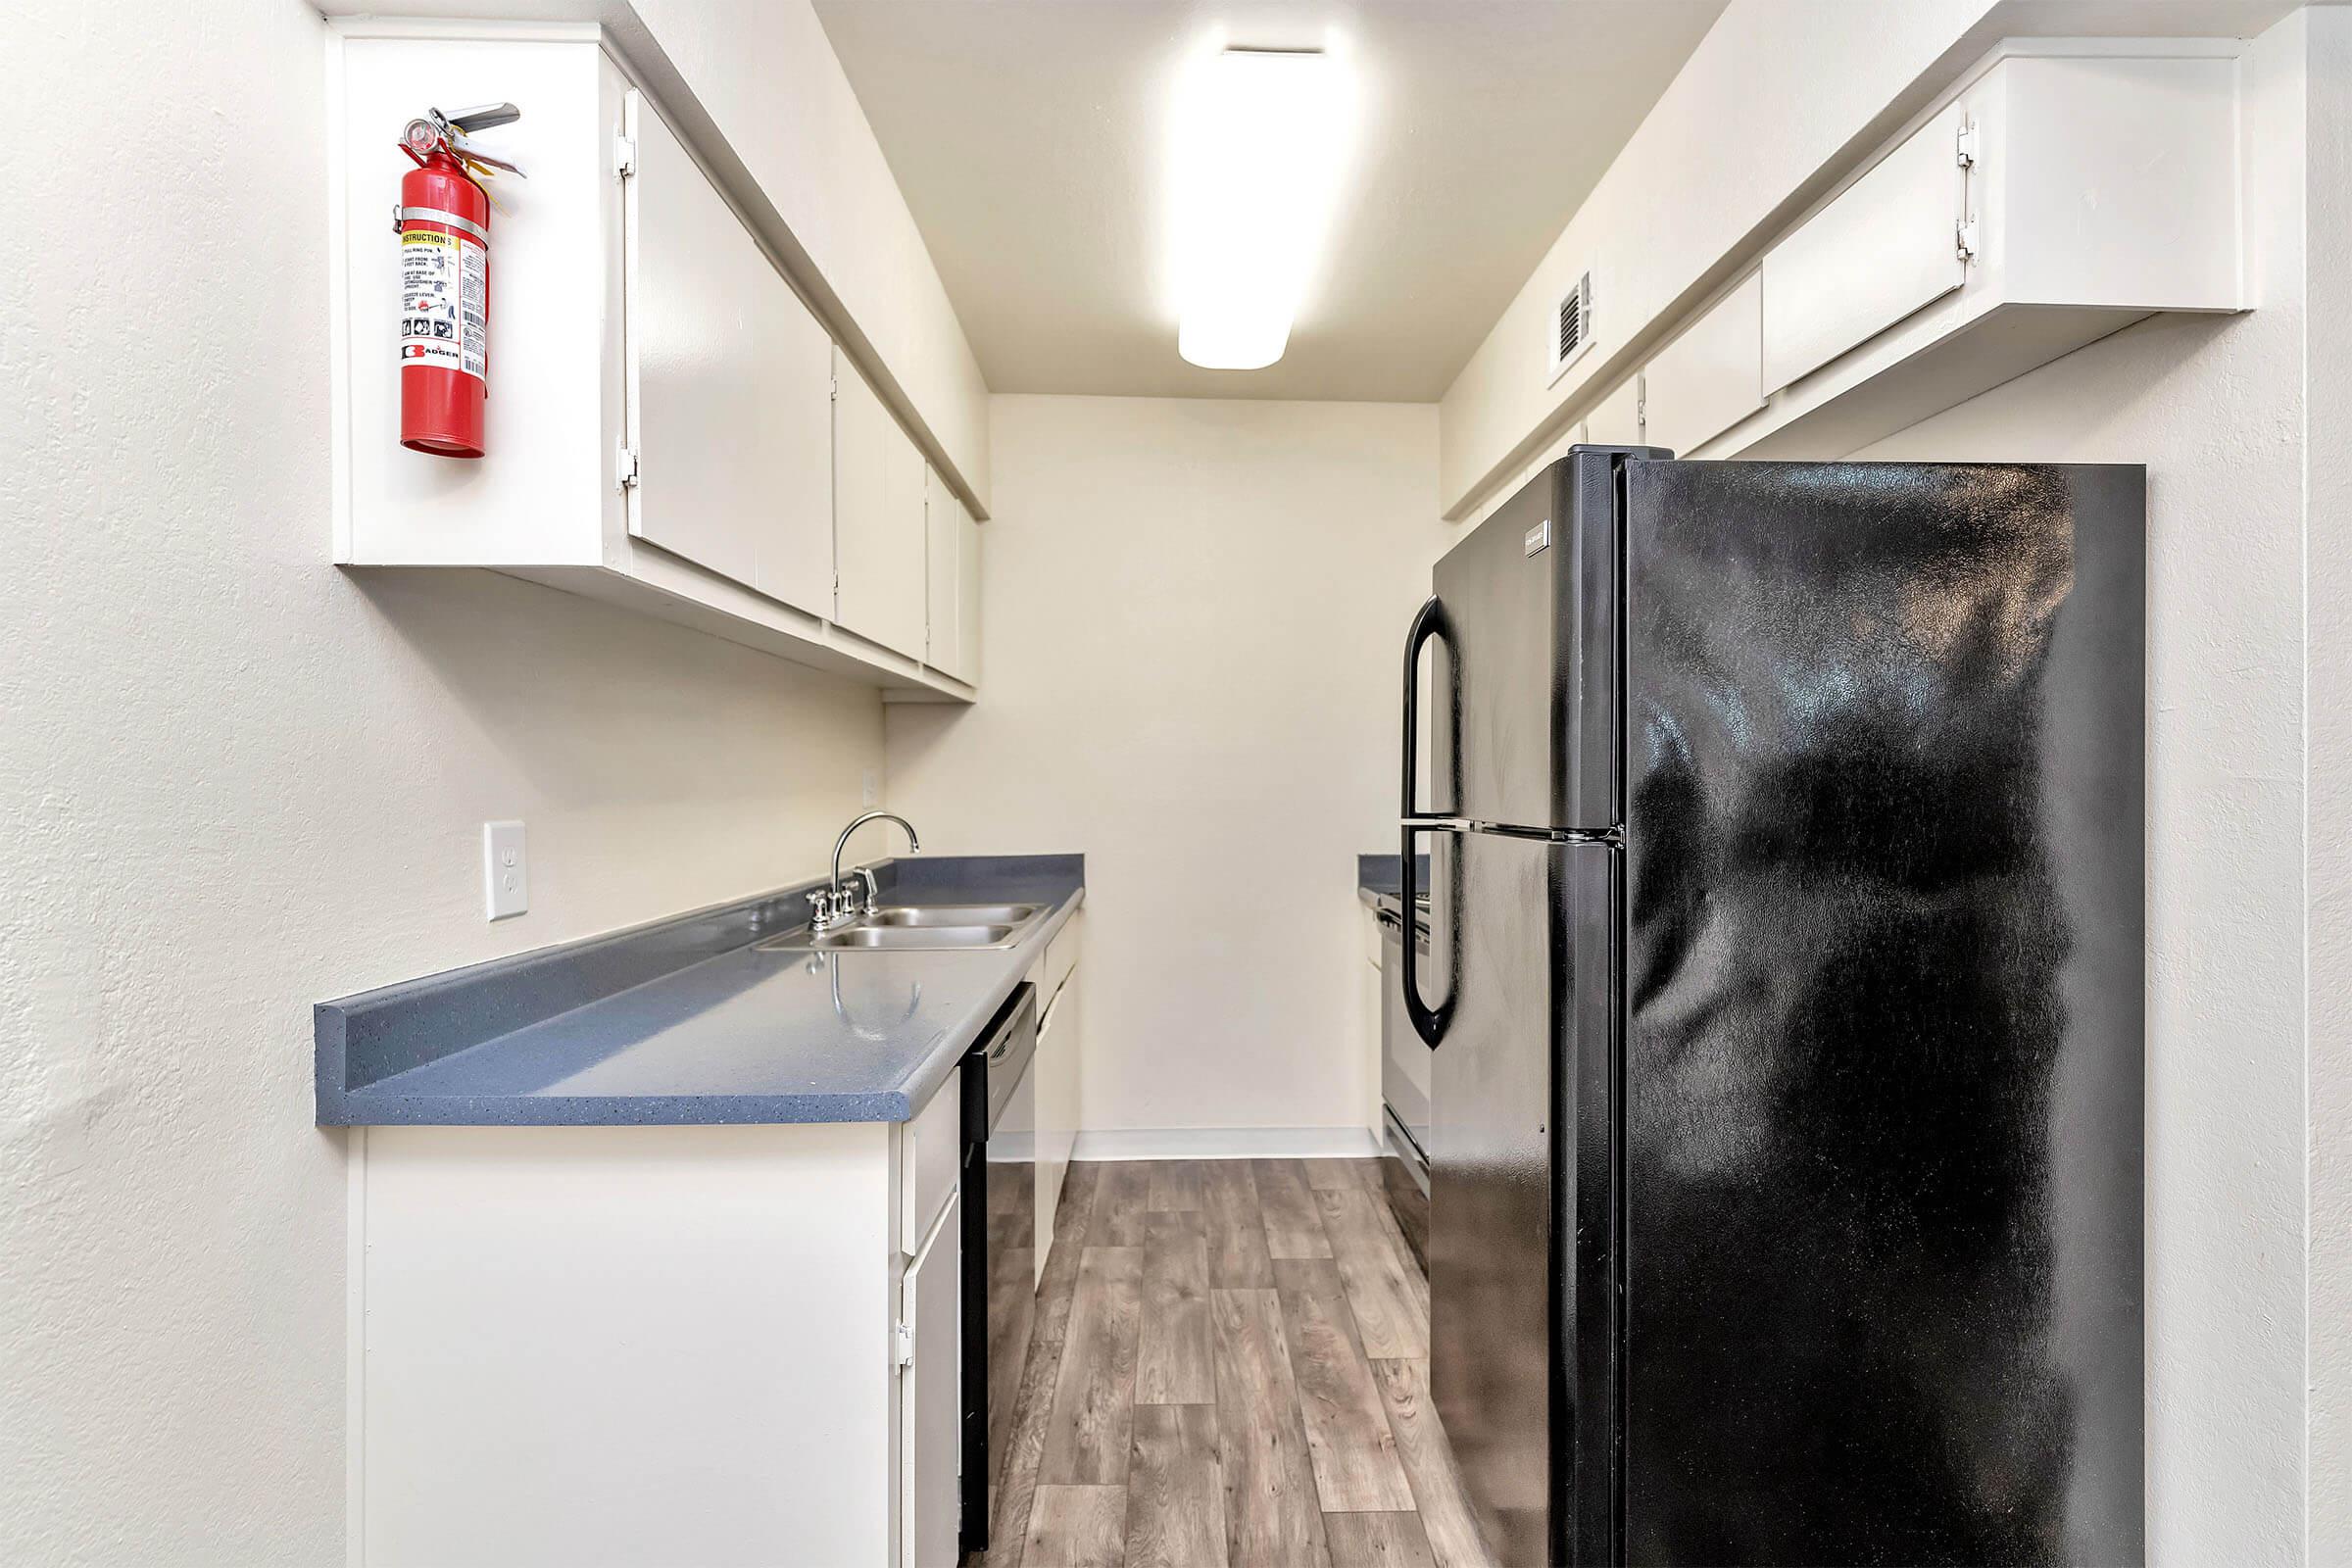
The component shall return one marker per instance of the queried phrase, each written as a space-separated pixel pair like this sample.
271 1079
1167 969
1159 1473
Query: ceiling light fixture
1260 135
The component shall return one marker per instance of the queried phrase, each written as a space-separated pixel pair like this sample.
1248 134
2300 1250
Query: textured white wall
235 781
1193 616
2328 704
2216 408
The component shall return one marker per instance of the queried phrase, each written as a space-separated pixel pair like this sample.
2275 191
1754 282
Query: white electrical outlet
870 789
506 870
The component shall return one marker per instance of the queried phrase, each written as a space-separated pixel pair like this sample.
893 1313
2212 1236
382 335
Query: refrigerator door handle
1429 1022
1427 621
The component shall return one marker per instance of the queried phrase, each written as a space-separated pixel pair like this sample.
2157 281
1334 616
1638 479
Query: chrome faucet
837 906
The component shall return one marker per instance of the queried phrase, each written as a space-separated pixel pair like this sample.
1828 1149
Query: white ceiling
1029 138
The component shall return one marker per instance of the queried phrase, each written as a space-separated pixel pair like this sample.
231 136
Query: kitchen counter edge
518 986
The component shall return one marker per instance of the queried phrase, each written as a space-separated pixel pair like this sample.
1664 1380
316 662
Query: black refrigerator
1784 999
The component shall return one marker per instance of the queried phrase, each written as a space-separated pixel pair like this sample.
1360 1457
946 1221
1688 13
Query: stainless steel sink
911 937
913 928
948 914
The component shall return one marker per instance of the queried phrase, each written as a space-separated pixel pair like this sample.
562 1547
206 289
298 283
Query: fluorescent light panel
1259 139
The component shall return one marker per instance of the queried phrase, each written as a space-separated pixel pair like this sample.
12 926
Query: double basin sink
916 927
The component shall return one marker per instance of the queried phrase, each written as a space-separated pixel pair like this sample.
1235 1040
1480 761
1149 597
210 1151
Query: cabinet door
967 596
1709 378
1616 420
1885 246
1058 1068
1371 1048
729 381
941 539
931 1402
795 543
877 517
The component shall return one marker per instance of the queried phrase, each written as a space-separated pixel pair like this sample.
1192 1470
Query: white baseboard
1226 1143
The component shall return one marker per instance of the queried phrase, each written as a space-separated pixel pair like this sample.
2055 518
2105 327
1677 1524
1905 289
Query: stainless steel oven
1000 1240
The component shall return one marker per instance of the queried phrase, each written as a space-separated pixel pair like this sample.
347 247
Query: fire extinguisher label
443 300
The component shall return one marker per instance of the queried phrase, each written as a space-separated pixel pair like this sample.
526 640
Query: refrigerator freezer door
1884 1041
1535 1001
1531 609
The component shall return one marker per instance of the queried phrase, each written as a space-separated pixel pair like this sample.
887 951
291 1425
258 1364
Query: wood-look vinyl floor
1229 1368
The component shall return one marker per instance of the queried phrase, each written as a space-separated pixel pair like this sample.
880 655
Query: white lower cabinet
1368 1015
1058 1058
930 1403
575 1346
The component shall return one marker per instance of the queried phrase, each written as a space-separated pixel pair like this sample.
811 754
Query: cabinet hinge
1966 153
1640 405
625 467
903 1339
1964 239
624 156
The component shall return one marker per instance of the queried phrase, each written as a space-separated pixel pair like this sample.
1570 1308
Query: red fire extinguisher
444 225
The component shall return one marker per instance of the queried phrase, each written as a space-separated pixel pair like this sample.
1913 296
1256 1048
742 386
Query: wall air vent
1571 328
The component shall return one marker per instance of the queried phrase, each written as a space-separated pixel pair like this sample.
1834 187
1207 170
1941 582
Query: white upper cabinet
967 597
2060 189
2065 188
663 431
1710 378
544 495
953 555
878 527
940 544
1616 420
1886 246
730 381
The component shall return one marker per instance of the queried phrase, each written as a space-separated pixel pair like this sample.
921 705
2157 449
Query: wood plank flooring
1227 1368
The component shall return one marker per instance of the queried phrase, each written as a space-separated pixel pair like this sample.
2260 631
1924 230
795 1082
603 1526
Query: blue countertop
685 1021
1379 876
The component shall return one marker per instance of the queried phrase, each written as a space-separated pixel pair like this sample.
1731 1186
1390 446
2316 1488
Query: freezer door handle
1427 621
